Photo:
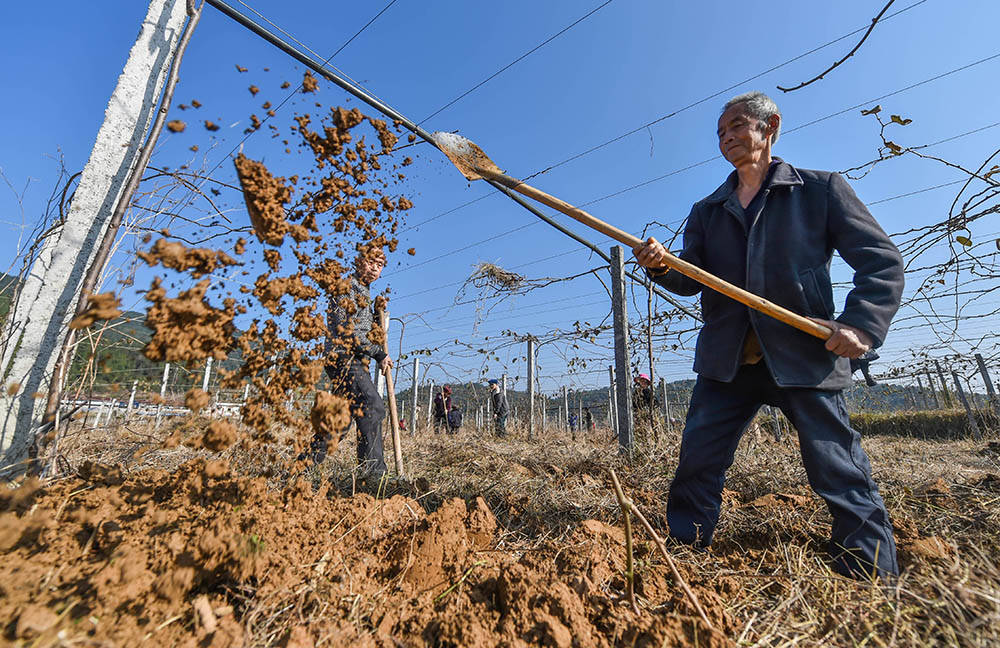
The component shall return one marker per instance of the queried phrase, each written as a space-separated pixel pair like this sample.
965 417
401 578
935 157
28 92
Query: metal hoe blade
465 155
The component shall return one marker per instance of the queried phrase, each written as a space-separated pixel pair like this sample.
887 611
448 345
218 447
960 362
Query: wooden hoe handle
705 278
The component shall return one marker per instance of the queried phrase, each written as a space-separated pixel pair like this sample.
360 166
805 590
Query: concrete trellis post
208 374
965 403
413 396
666 404
566 407
531 388
163 391
430 403
930 386
131 400
620 313
612 407
923 394
990 392
944 385
46 300
777 424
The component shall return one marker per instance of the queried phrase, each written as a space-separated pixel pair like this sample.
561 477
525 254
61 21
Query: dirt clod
99 307
195 399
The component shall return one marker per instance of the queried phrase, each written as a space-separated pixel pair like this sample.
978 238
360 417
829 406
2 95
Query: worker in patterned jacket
351 345
772 228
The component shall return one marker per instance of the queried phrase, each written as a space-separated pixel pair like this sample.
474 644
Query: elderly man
350 348
772 228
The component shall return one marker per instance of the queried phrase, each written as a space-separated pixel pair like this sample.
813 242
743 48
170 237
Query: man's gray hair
758 105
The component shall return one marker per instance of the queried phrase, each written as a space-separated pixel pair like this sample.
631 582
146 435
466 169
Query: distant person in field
642 392
350 350
588 419
771 228
572 423
643 399
500 407
454 419
442 405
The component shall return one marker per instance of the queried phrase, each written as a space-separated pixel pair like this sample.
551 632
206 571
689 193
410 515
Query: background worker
643 399
454 420
442 405
772 228
500 407
350 349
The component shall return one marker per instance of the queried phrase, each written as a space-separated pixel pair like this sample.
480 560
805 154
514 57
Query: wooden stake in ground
629 562
390 388
662 547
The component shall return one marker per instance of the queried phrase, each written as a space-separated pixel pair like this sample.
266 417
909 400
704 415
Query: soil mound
200 555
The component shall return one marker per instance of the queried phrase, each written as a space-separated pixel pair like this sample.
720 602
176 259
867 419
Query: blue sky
628 64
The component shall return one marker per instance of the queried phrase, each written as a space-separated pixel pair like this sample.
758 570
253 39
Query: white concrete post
47 299
208 374
131 399
163 391
430 404
531 388
566 407
666 404
414 396
613 412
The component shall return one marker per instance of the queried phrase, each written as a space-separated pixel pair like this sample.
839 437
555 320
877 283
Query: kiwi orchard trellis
624 396
325 72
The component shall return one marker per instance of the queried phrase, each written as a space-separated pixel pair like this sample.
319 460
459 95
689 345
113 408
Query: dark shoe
316 457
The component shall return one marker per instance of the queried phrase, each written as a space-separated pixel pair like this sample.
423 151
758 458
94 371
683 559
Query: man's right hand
651 254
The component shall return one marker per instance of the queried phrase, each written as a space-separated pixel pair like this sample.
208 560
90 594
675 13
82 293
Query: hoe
475 165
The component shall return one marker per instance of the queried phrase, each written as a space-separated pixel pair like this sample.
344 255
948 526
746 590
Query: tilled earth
532 553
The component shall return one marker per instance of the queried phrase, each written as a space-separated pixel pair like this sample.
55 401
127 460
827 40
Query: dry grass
943 496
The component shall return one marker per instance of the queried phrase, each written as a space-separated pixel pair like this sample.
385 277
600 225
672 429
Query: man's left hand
385 365
846 341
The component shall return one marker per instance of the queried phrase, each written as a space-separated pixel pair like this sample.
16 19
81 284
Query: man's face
370 269
742 139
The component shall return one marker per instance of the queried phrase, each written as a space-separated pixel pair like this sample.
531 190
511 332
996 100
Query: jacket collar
784 175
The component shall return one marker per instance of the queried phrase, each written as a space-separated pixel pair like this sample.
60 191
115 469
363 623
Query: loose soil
187 547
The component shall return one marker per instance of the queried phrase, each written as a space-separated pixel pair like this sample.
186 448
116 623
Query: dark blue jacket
785 258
